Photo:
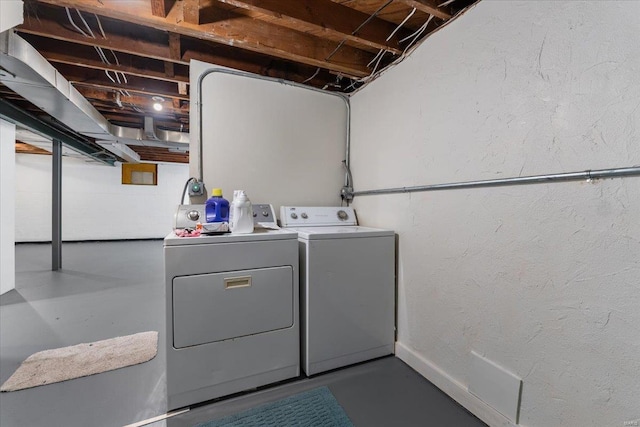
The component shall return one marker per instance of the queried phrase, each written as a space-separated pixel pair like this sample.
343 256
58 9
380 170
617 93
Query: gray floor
116 288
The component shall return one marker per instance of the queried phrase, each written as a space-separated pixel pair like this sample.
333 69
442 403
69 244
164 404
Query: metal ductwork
30 75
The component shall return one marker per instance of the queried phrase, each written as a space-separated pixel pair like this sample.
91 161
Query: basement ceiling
125 55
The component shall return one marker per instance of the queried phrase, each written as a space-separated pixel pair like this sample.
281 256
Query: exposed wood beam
47 26
158 154
175 47
430 7
329 19
74 57
169 69
101 84
142 102
174 52
94 78
161 7
191 11
238 31
24 148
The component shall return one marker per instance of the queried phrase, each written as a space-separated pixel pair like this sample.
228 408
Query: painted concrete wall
543 280
95 205
7 211
284 145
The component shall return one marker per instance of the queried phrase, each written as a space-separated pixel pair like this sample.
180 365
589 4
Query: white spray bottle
240 214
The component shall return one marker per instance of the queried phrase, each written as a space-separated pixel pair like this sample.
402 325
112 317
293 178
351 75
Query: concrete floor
109 289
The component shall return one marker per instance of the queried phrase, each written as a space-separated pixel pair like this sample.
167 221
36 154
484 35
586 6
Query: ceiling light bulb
157 106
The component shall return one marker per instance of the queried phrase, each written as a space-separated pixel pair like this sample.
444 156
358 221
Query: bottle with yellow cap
217 207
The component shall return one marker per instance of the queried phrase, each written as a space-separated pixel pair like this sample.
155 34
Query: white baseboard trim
456 390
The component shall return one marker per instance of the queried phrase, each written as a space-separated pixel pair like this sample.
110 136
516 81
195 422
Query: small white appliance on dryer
347 287
232 312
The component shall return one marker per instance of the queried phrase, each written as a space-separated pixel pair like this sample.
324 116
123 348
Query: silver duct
30 75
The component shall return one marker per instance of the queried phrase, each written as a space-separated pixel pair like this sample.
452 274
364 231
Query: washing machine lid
339 232
257 235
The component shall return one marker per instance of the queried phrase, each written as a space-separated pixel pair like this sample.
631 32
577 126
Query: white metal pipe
502 182
200 174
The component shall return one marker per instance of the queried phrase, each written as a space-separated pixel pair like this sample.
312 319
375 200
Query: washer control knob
265 213
255 214
193 215
342 215
304 215
294 215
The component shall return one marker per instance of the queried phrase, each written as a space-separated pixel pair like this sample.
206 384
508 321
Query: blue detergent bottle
217 208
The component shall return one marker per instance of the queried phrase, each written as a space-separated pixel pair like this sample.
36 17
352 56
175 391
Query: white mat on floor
61 364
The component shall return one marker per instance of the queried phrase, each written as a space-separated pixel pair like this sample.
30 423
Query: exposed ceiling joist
80 76
327 19
430 7
50 26
226 27
329 44
141 102
158 46
161 7
145 69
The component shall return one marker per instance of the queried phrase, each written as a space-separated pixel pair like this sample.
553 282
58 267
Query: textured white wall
95 205
11 14
7 210
543 279
284 145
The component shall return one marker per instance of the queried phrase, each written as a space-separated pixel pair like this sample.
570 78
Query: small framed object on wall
140 173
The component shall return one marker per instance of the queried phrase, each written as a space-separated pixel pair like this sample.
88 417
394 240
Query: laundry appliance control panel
302 216
188 216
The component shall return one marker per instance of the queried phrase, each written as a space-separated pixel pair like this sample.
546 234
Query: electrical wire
74 24
314 74
102 56
366 21
119 76
422 29
100 26
184 190
404 21
377 63
109 75
375 57
381 52
418 31
85 24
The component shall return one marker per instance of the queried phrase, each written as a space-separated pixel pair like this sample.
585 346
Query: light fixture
157 100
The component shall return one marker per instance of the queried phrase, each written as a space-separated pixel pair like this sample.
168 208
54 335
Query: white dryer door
220 306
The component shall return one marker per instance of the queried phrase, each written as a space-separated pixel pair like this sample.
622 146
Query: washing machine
347 287
232 310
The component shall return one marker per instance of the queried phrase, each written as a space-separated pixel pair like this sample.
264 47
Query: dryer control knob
193 215
294 215
342 215
304 215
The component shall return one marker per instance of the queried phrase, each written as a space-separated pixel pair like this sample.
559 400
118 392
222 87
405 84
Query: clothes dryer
232 313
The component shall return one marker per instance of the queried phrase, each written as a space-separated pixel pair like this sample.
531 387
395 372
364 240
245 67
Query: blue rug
313 408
